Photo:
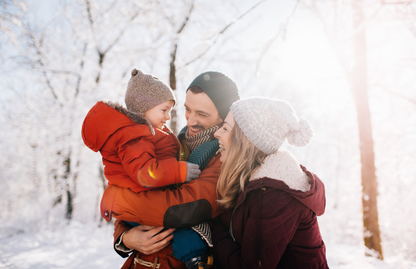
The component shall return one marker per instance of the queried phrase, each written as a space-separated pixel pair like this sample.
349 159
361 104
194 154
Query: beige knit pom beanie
145 91
267 123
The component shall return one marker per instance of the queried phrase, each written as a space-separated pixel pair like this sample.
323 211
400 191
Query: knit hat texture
144 91
222 90
267 123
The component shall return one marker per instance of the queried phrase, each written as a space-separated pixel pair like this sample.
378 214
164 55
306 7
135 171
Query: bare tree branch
172 66
411 100
102 54
222 32
244 14
84 51
172 73
164 12
66 72
334 41
36 45
186 18
109 8
88 4
282 29
122 32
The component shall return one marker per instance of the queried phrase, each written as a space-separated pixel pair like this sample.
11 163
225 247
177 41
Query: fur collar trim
135 117
283 166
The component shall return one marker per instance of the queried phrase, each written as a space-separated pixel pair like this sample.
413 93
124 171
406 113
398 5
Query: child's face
160 114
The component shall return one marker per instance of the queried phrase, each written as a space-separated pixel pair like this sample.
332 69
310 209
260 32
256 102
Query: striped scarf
194 141
200 156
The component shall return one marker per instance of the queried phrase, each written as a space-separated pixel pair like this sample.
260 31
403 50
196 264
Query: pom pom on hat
301 136
267 123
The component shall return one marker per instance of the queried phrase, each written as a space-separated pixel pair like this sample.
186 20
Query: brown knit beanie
145 91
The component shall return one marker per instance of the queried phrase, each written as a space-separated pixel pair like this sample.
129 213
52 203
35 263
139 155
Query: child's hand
192 171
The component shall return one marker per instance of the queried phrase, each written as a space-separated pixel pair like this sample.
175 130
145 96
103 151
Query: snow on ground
75 246
346 257
81 246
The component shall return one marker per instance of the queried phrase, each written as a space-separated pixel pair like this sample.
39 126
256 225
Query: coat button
106 213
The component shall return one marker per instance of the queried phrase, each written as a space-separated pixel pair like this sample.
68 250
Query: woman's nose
216 134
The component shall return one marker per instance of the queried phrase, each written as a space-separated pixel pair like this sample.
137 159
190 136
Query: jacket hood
104 119
281 170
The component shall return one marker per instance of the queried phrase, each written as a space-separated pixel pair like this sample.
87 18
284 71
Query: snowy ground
86 246
76 246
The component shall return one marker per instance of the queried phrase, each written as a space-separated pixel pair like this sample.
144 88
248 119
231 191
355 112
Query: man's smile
195 129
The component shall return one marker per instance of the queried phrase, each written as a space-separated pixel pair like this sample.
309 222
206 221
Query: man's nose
191 120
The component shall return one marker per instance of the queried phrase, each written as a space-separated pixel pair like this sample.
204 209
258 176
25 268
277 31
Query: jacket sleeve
138 158
188 205
119 228
265 235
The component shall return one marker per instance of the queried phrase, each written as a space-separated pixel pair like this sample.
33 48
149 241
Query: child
138 151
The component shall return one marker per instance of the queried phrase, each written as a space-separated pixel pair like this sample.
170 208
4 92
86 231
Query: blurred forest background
328 58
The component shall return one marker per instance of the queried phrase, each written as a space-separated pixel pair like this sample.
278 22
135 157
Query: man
207 103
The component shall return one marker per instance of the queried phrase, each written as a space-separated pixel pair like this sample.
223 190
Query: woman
274 200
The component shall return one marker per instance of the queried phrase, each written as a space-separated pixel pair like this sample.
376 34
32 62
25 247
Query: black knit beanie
222 90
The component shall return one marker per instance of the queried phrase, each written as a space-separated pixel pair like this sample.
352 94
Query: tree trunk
172 82
68 189
372 238
172 68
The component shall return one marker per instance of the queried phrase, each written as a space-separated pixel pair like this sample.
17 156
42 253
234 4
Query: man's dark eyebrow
203 112
200 111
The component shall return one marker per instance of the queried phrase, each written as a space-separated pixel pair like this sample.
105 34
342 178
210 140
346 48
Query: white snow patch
72 246
81 246
346 256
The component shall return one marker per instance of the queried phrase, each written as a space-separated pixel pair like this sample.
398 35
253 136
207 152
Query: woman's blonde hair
242 159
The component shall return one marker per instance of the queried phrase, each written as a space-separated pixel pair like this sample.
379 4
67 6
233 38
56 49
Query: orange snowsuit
183 206
190 204
193 203
135 155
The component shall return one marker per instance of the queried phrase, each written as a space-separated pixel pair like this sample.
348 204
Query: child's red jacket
135 155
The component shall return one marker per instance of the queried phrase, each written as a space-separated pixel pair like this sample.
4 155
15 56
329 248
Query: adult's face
200 113
224 135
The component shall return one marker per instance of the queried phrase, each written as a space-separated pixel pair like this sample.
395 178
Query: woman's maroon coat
274 226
